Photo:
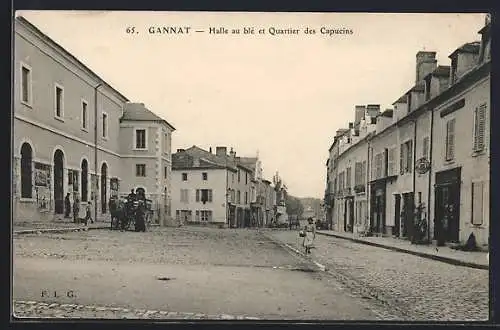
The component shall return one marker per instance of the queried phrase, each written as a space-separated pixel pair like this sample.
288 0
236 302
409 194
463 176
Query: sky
279 95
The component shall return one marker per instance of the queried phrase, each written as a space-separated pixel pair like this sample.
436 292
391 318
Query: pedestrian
76 209
309 235
88 214
67 206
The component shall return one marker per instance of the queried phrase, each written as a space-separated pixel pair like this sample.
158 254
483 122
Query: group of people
122 212
76 210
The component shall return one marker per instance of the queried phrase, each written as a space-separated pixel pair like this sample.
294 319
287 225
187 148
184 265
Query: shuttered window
450 140
479 127
409 156
358 174
391 162
477 203
348 178
402 159
425 147
363 173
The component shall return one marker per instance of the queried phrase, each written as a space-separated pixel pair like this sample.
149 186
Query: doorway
397 215
59 182
407 213
104 178
447 206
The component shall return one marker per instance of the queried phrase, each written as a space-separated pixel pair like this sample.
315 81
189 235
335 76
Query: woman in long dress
310 235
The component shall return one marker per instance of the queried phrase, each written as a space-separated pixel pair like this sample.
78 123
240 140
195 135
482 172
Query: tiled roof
186 159
138 112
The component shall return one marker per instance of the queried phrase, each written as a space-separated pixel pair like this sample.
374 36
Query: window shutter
197 215
410 156
197 195
425 147
401 159
480 122
477 203
363 172
210 195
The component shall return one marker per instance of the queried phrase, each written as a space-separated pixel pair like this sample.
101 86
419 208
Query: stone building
67 133
428 156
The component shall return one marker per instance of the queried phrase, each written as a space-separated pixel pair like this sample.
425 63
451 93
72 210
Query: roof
419 87
249 162
186 159
62 50
440 71
387 113
138 112
402 99
470 47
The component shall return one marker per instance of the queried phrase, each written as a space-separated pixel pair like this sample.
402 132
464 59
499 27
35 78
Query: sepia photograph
250 166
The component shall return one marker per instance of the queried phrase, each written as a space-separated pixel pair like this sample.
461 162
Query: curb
146 314
57 230
448 260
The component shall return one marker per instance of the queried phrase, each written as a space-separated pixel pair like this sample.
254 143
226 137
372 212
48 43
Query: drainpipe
413 170
368 188
227 196
429 191
95 146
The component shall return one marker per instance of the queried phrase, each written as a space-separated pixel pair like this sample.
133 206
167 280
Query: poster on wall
114 186
94 188
42 185
73 181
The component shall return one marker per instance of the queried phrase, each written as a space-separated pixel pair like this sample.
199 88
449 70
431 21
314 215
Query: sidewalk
442 253
20 228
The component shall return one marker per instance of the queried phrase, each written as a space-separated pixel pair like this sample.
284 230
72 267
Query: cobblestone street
170 273
411 287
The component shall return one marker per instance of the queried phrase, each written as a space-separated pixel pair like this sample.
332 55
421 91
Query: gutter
95 147
413 169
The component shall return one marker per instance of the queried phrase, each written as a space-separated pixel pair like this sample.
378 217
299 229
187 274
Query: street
197 272
184 270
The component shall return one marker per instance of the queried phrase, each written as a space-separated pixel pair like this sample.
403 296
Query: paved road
413 288
165 273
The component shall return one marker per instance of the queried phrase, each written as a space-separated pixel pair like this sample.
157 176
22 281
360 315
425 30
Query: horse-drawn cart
131 215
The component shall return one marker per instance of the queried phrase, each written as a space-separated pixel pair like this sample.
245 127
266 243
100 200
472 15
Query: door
397 215
447 207
104 192
59 182
351 215
345 215
408 209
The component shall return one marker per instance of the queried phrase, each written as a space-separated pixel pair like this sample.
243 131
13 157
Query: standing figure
67 206
76 210
310 235
88 214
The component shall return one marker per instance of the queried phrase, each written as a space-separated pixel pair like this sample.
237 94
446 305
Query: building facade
427 181
67 133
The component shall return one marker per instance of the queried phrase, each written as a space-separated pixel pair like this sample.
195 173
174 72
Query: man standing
67 206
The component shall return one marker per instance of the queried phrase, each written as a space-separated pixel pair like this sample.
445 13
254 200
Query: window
378 166
204 176
140 170
85 115
425 147
140 139
246 177
238 197
363 173
26 171
104 125
357 173
165 143
246 197
205 216
204 195
348 178
450 140
59 101
391 162
232 175
477 203
26 88
406 157
184 195
239 175
184 176
479 127
165 172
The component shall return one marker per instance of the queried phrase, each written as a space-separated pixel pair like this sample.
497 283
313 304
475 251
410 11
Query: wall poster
42 185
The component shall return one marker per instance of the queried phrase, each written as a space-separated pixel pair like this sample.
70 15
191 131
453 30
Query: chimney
210 150
373 110
180 150
221 151
232 153
426 63
351 125
359 114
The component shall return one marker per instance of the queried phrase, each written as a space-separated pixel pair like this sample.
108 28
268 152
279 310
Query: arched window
85 169
26 171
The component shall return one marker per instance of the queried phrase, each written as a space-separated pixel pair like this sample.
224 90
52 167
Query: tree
294 205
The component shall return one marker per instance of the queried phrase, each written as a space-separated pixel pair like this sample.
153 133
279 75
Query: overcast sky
283 95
